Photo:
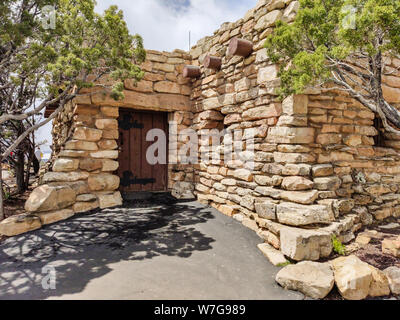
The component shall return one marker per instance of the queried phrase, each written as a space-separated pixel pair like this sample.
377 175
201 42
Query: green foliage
318 36
338 247
83 47
284 264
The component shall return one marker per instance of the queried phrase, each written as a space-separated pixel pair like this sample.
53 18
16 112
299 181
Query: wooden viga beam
212 62
191 72
240 47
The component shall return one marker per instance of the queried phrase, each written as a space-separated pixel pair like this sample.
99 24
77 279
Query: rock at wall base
183 190
110 200
313 279
55 216
19 224
353 277
274 256
302 244
50 198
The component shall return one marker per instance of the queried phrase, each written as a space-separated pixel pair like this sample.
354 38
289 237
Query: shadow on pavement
82 248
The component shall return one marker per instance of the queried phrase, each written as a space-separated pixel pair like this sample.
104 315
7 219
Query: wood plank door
136 173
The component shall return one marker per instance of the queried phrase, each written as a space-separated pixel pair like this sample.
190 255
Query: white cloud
165 25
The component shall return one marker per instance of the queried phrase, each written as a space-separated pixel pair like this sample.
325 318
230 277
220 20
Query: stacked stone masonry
318 170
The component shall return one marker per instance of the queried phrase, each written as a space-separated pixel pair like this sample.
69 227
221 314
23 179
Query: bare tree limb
7 152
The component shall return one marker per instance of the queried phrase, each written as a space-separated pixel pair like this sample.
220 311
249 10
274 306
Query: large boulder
380 283
302 244
393 275
313 279
353 277
50 198
19 224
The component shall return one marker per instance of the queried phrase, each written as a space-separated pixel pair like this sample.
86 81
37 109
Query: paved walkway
162 251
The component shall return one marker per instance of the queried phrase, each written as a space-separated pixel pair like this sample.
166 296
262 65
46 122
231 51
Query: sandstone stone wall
317 169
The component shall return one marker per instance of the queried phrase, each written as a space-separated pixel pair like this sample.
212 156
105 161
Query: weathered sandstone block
302 197
266 210
19 224
87 134
110 200
64 176
107 154
81 145
106 144
353 277
65 165
268 20
243 174
297 183
327 183
89 164
103 182
295 105
273 255
55 216
112 112
273 110
110 165
393 275
85 206
107 124
313 279
291 135
268 73
86 197
301 244
300 215
379 284
49 198
322 170
391 246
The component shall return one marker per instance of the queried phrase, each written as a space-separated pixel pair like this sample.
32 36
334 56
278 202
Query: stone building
321 165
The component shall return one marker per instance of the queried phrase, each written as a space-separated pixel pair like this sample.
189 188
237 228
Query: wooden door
136 173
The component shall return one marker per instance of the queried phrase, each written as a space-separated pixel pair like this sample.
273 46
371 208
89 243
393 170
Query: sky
165 25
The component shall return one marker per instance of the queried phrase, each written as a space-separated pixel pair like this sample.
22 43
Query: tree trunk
1 193
36 165
20 172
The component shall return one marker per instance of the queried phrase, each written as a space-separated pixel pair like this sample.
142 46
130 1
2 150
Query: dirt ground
372 252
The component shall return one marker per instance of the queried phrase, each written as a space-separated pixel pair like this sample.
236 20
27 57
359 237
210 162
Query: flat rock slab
158 250
274 256
389 226
313 279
